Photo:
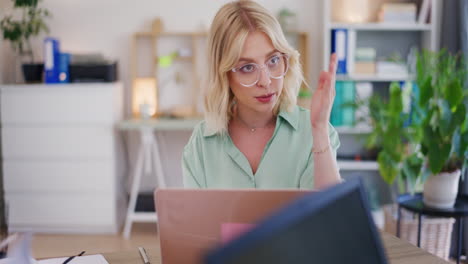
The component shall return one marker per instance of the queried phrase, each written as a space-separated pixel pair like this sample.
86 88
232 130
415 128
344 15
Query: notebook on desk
333 227
192 222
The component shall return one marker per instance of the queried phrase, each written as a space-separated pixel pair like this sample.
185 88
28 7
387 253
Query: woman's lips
265 98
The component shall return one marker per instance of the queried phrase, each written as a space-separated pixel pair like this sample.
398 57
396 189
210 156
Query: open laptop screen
333 226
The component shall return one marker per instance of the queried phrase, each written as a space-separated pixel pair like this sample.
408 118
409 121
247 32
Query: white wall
106 26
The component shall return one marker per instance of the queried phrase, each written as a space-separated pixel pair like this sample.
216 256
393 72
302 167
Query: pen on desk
72 257
143 255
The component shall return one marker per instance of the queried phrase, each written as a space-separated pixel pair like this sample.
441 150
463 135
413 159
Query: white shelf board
373 78
383 26
357 165
353 130
145 217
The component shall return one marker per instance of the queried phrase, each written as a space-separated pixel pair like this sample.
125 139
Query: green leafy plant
20 31
441 78
398 157
433 136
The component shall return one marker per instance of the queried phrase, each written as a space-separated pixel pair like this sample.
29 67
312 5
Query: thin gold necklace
253 129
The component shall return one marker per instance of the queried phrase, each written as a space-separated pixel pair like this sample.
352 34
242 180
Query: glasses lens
247 74
277 66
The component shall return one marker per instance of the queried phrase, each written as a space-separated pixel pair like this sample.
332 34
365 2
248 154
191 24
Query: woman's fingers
333 64
322 79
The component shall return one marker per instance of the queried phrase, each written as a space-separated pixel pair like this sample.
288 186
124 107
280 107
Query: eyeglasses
249 74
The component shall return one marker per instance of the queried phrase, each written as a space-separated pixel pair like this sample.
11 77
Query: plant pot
440 191
33 73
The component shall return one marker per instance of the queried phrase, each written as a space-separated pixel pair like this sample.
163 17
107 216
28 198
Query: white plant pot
440 191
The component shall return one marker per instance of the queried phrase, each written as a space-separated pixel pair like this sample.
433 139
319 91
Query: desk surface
398 252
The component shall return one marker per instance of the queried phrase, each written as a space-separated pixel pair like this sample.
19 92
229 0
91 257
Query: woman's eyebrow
252 60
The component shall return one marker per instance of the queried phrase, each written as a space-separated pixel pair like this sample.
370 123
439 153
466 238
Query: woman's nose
264 78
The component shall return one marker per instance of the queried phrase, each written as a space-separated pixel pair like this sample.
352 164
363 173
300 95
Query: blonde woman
254 135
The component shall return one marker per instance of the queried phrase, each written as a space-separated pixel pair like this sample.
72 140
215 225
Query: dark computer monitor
333 226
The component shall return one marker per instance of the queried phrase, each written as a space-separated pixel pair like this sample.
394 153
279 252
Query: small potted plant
441 78
287 19
20 33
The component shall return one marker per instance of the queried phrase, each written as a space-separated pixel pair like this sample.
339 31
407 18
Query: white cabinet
62 159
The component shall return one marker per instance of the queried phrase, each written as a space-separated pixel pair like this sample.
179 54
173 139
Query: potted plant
441 78
287 19
21 31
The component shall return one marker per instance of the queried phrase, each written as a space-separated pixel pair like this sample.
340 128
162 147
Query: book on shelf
343 115
51 60
339 45
335 116
390 68
398 13
365 61
424 11
365 54
351 46
364 67
348 97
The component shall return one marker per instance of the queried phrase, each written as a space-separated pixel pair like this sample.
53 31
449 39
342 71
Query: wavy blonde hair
229 29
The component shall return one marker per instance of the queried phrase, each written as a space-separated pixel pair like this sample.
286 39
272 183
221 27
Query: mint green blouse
213 161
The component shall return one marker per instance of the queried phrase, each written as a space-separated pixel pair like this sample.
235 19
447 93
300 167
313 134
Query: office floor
46 245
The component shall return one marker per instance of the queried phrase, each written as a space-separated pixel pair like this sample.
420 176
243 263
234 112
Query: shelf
373 78
353 130
171 34
182 59
147 217
358 165
383 26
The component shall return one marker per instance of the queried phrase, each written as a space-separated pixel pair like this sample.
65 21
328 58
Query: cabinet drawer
59 176
61 104
34 210
57 142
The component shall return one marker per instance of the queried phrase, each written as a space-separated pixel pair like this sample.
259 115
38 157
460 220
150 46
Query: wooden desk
398 252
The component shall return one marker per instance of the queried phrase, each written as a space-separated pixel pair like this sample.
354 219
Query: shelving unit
385 38
428 30
155 36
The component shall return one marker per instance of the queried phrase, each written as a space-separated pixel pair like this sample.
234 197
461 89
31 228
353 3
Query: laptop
193 221
333 226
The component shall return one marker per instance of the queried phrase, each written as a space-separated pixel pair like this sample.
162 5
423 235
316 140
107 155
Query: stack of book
391 68
398 13
365 61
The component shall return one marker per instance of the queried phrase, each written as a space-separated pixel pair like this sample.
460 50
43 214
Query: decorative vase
440 191
33 72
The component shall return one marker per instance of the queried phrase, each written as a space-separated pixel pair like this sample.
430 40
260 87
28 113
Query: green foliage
437 138
20 31
398 158
442 78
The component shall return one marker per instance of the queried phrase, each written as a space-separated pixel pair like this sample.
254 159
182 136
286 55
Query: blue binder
64 61
51 60
339 45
